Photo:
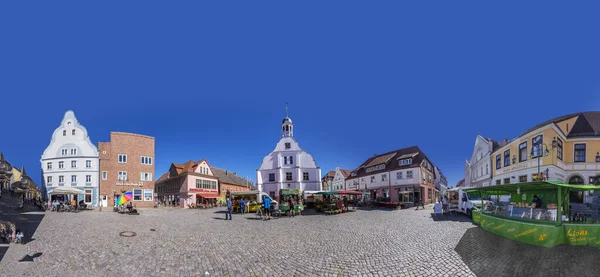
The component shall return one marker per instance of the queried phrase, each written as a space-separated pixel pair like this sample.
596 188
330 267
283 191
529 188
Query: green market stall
549 225
284 205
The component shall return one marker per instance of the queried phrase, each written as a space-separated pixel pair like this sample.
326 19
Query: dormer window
288 145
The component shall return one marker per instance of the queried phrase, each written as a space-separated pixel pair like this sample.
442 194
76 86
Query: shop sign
140 184
514 168
541 235
202 190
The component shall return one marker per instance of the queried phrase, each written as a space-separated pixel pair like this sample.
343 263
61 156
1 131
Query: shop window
137 195
148 195
88 196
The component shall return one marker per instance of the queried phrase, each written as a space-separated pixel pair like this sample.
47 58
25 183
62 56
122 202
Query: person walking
267 207
242 206
229 207
445 204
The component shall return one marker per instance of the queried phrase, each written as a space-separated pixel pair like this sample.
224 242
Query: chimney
505 141
225 172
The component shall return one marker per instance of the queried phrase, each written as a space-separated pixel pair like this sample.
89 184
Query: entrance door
576 196
104 201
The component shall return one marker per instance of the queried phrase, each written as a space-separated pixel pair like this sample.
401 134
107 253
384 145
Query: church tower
287 127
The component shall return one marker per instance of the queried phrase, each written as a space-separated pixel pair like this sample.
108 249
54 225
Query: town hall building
288 166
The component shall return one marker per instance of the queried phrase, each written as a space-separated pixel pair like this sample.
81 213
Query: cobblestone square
201 243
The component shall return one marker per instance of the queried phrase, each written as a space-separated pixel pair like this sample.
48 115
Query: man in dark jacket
229 208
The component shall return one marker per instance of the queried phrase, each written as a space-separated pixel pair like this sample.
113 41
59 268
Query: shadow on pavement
448 217
27 220
487 254
219 218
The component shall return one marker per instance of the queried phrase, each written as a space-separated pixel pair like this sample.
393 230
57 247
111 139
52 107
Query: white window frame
88 164
291 176
373 179
122 176
141 194
64 152
146 176
122 158
146 160
73 179
88 177
49 180
61 165
74 164
144 195
409 174
49 165
291 159
305 176
61 179
104 175
73 151
383 177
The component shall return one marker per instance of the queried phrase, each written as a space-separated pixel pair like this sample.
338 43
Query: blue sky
210 79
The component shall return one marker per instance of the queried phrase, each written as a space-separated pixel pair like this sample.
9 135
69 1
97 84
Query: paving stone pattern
195 242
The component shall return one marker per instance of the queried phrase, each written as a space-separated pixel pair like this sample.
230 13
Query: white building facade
480 165
71 160
288 166
339 179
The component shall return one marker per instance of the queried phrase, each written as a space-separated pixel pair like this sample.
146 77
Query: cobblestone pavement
489 255
194 242
362 243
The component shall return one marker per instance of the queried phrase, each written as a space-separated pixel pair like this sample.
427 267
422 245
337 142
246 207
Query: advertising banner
582 234
530 233
476 216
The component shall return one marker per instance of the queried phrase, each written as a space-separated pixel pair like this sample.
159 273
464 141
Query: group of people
242 205
61 205
10 234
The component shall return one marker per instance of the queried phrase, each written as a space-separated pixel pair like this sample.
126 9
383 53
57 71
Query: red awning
349 192
208 196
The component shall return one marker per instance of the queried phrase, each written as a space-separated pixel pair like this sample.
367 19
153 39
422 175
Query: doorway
576 196
104 201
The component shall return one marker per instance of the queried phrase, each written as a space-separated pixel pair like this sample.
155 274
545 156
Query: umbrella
123 198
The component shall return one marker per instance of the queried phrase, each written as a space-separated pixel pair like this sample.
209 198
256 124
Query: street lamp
543 152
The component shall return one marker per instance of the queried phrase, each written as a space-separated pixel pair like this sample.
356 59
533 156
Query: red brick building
127 164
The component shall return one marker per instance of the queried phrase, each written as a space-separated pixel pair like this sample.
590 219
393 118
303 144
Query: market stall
536 213
285 195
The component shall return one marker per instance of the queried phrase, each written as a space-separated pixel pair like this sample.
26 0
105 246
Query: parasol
123 198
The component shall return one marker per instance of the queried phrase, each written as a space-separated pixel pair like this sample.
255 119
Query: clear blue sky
210 79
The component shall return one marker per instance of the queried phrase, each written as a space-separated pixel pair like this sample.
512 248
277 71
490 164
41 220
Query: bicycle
275 213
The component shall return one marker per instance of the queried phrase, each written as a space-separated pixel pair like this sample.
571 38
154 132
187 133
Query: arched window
576 180
73 132
64 132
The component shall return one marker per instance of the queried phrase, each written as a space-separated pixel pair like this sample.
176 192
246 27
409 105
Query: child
20 237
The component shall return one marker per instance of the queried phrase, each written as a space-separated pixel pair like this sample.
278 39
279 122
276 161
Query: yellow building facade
565 148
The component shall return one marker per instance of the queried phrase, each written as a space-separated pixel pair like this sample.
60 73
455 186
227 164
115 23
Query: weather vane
286 109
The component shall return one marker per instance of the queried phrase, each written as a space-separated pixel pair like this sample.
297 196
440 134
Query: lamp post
543 152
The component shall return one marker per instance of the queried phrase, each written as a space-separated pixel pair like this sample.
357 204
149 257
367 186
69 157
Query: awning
350 192
66 190
208 196
530 187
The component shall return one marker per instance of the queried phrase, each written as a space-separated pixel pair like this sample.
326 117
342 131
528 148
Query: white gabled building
339 179
71 160
288 166
479 171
